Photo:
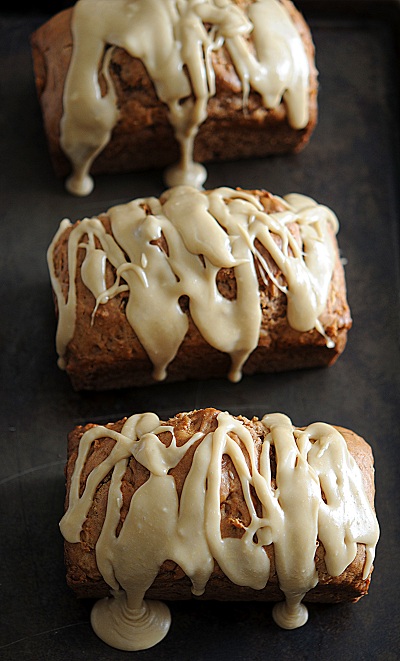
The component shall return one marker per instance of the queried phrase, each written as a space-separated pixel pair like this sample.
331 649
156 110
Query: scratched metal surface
351 165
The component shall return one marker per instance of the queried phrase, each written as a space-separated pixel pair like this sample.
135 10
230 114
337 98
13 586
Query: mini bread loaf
218 506
128 85
198 285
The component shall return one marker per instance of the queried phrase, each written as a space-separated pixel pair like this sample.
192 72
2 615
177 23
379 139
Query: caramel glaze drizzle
205 231
318 495
171 39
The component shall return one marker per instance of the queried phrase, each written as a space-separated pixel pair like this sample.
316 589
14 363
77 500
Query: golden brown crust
86 581
107 354
143 137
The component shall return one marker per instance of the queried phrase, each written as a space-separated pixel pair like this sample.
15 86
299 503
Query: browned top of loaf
171 583
112 338
144 118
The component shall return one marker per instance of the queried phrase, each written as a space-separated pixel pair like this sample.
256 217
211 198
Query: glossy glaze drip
187 530
204 231
171 39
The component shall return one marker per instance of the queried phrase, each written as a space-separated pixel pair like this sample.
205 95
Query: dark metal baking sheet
351 165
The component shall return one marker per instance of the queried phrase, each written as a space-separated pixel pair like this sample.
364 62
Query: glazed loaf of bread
218 506
198 285
134 85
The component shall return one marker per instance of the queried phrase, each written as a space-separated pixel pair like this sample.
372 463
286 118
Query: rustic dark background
351 164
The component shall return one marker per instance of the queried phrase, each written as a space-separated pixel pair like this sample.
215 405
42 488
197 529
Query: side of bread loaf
235 510
143 136
215 315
